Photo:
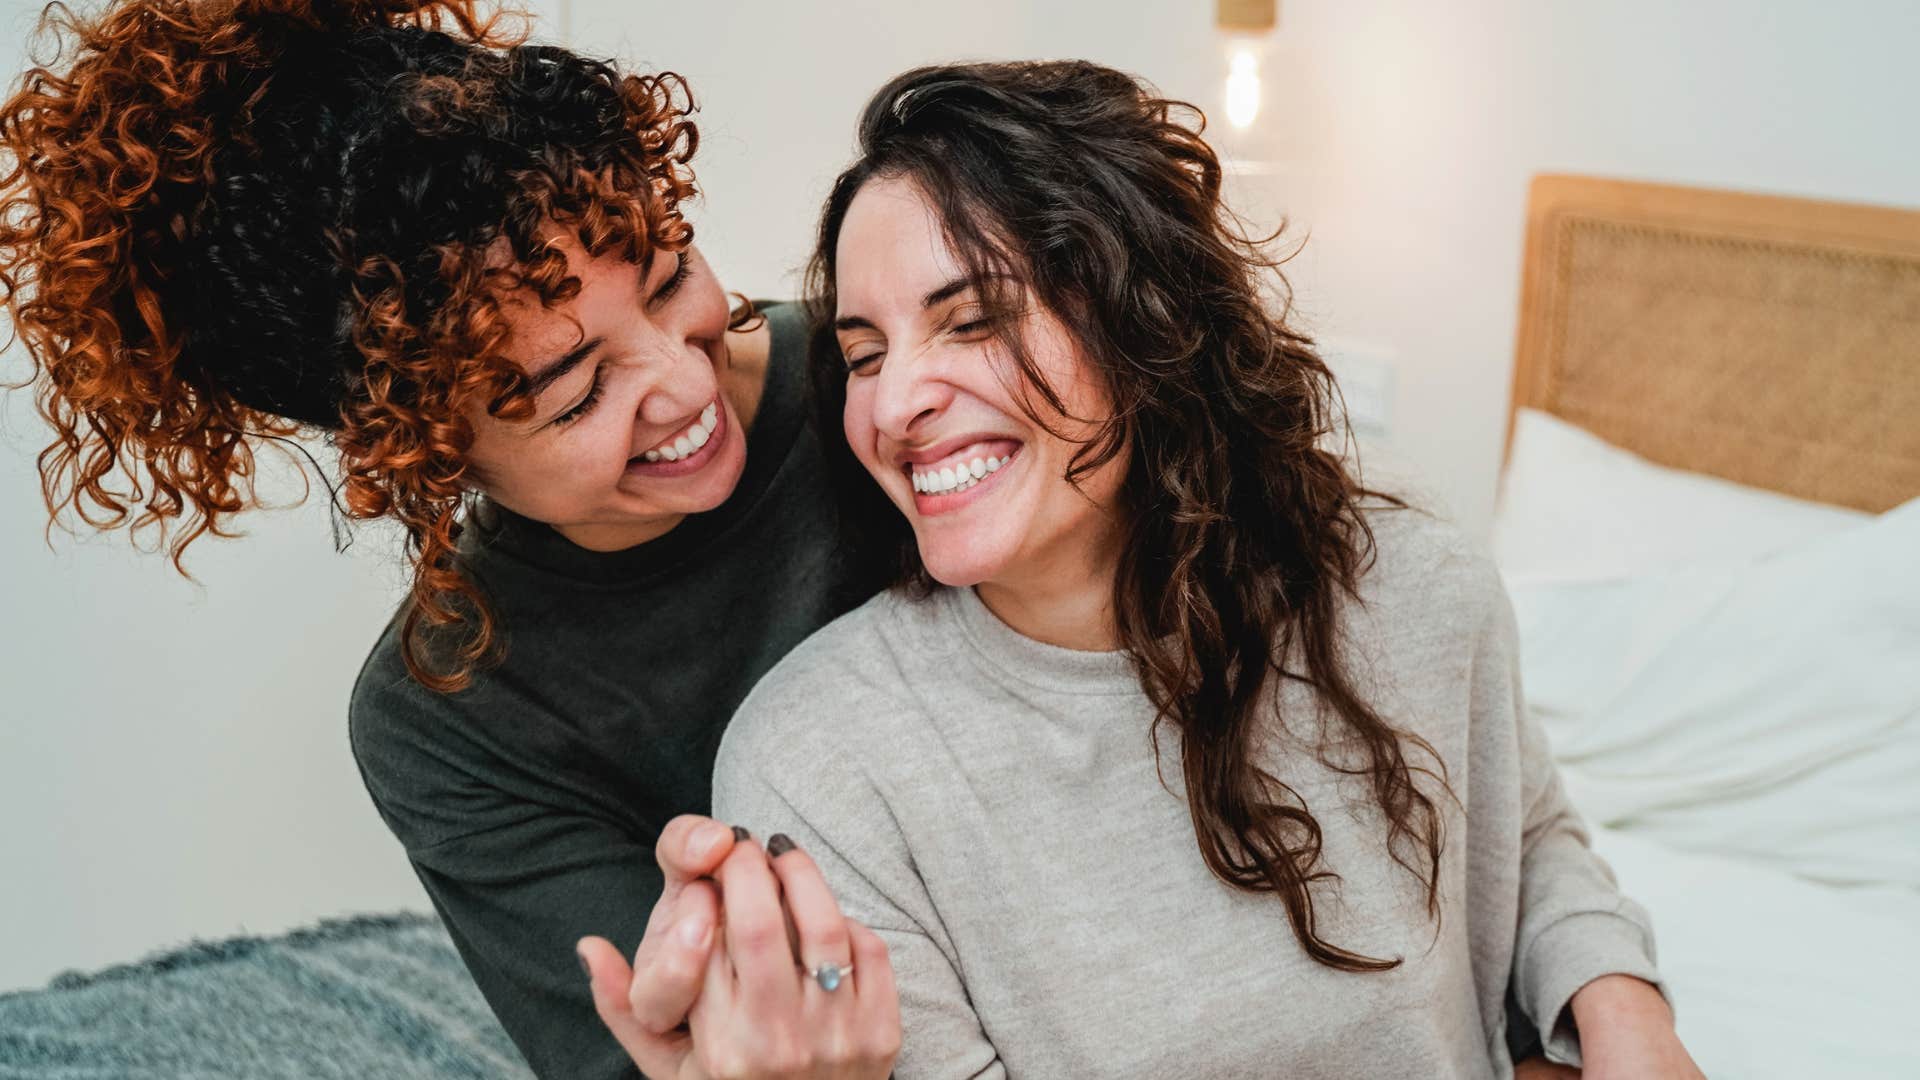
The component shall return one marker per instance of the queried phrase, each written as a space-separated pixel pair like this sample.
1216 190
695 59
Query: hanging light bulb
1243 88
1245 24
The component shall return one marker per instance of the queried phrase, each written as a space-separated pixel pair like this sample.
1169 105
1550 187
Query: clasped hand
722 985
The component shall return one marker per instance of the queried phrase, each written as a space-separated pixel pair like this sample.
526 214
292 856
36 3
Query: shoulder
776 342
849 680
409 743
1429 578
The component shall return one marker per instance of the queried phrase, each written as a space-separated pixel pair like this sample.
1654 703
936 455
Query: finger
670 970
691 847
817 921
607 977
874 988
713 1019
686 852
755 929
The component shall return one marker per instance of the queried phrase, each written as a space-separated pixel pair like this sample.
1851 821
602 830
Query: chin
959 565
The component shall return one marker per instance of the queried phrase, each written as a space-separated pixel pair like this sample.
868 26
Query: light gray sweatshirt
991 805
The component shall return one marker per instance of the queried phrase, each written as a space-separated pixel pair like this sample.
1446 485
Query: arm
1584 960
800 782
518 885
516 924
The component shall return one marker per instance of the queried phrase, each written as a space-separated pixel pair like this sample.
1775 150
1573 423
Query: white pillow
1766 706
1574 507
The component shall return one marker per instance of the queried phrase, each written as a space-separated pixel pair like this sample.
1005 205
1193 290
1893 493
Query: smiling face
630 430
934 406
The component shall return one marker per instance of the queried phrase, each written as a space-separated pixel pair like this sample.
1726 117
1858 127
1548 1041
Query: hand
1626 1032
646 1006
761 1014
1539 1068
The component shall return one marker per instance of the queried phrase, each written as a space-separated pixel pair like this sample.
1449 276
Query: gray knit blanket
375 997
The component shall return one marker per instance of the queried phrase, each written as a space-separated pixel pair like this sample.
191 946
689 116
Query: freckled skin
664 361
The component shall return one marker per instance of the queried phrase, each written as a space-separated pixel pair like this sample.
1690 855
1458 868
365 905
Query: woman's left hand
1626 1033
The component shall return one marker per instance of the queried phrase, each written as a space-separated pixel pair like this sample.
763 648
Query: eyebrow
945 292
557 370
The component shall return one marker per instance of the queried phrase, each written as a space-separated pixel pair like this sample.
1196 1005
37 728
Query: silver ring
830 976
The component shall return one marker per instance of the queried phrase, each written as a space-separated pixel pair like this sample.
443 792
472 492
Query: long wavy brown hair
1072 185
225 221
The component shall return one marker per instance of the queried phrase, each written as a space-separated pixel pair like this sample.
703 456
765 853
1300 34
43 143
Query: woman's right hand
761 1012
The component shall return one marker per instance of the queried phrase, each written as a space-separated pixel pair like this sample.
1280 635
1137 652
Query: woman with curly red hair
462 259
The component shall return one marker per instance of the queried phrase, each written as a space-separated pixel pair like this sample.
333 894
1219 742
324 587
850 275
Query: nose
910 393
682 381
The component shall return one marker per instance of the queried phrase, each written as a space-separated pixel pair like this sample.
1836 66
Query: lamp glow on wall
1245 27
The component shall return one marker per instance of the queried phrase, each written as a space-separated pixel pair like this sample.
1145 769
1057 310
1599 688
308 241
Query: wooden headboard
1770 341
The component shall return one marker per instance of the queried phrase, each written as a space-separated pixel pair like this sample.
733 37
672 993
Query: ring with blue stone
829 976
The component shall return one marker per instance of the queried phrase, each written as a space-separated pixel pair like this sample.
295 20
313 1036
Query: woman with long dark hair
462 260
1170 748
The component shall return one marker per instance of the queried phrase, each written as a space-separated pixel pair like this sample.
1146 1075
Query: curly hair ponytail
226 220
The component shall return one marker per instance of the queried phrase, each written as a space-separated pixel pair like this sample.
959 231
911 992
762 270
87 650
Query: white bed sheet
1775 977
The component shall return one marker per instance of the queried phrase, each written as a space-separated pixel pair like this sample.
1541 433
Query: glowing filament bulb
1243 89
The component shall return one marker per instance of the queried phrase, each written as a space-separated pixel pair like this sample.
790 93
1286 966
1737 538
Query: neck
1068 602
621 536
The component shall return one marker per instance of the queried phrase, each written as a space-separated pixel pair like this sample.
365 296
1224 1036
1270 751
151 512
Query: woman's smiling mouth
687 451
947 482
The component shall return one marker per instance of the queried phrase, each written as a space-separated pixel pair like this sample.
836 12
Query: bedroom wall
1399 138
173 758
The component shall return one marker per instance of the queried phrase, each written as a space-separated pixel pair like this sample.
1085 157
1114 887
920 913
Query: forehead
891 247
536 331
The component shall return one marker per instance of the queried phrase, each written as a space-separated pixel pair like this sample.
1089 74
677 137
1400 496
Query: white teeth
697 435
957 477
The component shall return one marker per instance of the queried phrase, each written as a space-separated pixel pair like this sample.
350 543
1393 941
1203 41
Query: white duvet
1730 681
1768 708
1775 977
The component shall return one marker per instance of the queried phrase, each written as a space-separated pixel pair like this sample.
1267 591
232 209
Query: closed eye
682 270
586 403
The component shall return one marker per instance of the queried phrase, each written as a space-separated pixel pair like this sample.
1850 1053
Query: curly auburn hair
1072 185
228 220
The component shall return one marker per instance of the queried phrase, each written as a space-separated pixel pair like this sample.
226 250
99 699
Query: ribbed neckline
782 415
1051 667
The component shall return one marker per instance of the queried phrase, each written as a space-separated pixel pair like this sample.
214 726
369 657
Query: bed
1709 527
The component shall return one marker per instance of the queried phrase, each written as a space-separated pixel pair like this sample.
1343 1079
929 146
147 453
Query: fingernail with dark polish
740 834
779 844
584 968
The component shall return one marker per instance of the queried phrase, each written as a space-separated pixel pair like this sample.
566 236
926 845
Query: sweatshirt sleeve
1574 923
516 884
808 779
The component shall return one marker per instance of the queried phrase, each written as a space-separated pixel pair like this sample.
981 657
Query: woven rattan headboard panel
1770 341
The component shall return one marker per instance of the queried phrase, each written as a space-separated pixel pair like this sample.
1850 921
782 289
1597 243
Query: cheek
710 319
856 422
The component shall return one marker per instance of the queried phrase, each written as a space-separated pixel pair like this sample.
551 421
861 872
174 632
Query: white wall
173 757
1405 132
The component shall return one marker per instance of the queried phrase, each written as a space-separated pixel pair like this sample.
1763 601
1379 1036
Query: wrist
1619 1004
